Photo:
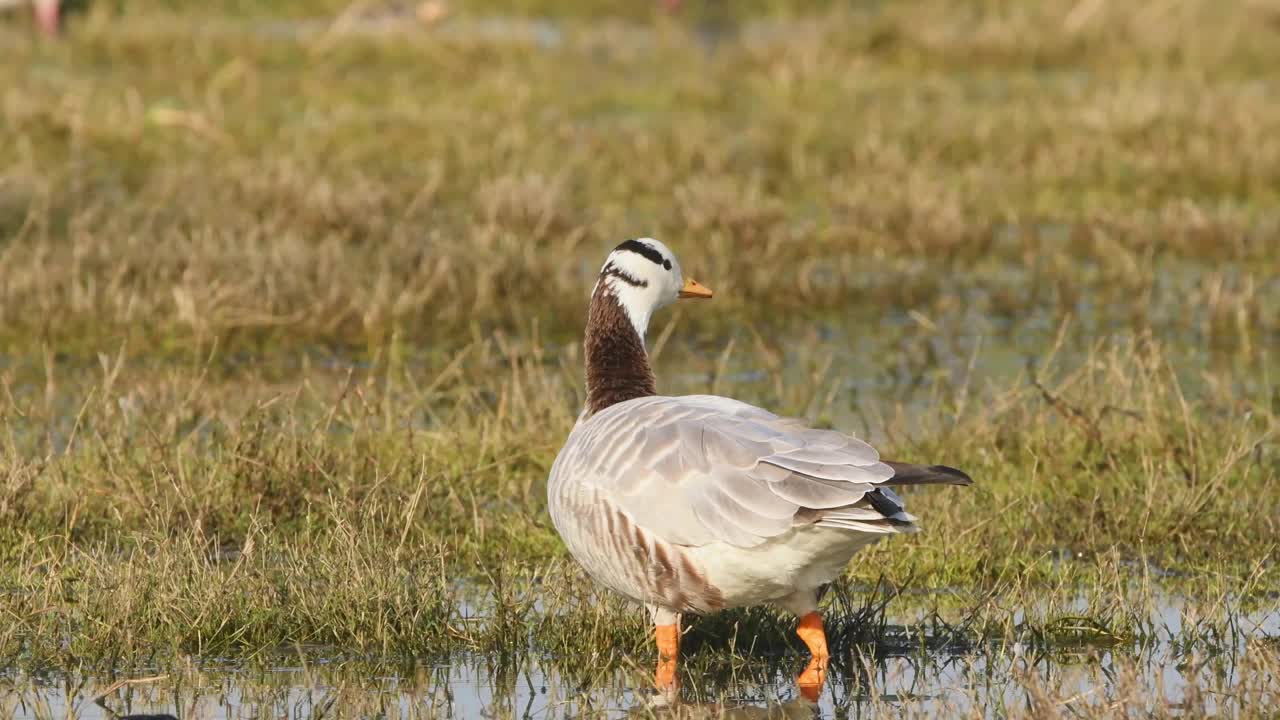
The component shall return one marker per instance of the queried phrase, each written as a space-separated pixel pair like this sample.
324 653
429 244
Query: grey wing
700 468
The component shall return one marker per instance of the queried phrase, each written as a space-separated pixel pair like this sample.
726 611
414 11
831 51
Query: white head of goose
698 503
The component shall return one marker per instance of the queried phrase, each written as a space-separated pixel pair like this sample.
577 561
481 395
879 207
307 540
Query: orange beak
694 289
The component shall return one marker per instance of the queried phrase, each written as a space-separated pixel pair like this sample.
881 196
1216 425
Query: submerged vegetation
289 313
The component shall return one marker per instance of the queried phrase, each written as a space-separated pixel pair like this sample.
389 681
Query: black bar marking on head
640 248
611 270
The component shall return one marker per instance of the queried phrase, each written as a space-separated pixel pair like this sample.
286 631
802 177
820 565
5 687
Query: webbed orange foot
814 676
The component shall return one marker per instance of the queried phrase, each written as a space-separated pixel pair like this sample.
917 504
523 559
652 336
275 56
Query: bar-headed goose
698 503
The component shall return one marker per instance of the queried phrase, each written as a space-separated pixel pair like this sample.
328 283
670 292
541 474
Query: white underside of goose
805 558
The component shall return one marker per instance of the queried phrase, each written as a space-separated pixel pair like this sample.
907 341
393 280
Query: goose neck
617 363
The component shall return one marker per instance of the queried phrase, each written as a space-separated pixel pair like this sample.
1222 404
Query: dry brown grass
279 191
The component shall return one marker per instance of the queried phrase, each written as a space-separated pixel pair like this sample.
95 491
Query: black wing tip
910 474
960 477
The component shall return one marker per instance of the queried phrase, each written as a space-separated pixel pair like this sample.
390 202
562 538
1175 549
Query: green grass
289 318
365 512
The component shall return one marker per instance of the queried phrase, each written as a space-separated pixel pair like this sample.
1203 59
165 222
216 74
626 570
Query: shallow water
1169 668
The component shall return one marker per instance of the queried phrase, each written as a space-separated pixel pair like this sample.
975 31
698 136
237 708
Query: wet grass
289 316
400 515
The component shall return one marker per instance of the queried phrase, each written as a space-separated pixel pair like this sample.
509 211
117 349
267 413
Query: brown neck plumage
617 365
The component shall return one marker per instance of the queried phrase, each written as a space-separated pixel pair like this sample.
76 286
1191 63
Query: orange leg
668 637
815 674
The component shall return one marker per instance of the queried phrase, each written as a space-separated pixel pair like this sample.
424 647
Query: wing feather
867 527
809 492
757 496
701 468
726 519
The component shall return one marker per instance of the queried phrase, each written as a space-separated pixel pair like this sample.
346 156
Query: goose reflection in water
795 709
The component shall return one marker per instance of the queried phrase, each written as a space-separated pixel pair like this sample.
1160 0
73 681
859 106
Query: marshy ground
291 295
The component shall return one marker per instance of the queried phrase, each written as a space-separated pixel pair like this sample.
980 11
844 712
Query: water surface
1171 668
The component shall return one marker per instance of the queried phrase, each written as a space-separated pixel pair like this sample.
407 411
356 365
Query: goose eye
666 264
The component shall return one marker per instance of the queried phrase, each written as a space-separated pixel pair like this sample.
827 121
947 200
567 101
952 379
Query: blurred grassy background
290 297
179 172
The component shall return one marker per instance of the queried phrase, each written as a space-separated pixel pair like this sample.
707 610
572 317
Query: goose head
643 276
639 277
